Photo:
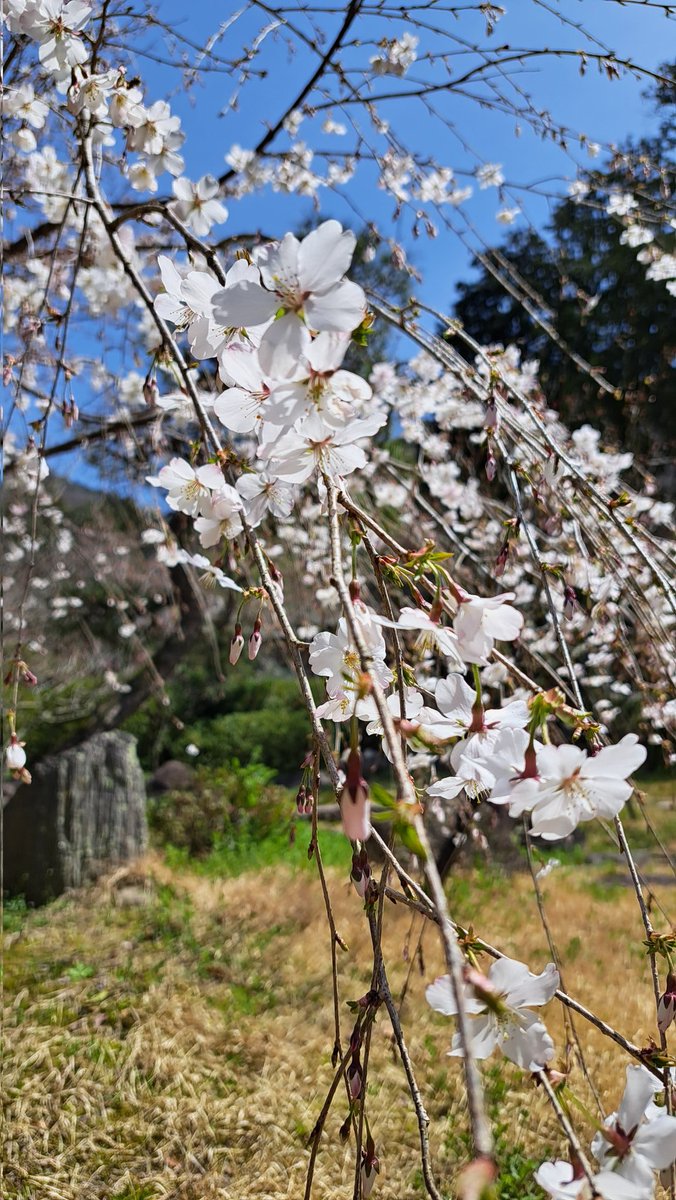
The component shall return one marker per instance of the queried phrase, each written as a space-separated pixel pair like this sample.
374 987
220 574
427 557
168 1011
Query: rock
84 811
172 776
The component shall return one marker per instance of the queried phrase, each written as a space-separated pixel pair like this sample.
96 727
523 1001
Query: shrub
275 736
225 806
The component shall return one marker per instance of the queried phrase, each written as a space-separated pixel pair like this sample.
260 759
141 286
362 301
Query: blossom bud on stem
355 803
355 1077
151 392
236 645
255 640
501 561
492 418
569 602
666 1010
360 873
370 1167
15 755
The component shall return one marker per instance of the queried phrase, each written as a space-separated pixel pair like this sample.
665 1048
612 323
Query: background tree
583 279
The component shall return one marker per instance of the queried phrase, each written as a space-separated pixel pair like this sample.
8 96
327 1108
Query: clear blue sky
606 112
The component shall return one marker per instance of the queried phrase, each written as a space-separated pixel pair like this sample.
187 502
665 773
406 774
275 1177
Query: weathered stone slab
84 811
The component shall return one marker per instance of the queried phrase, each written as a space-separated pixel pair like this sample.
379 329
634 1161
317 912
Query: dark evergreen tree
580 279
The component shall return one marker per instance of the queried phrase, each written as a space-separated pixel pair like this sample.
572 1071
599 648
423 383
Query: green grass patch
245 852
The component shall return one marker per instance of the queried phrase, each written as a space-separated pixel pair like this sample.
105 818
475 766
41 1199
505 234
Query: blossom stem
479 1124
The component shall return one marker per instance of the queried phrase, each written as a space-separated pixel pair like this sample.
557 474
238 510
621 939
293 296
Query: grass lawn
168 1033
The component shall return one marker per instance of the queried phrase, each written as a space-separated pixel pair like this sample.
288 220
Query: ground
168 1033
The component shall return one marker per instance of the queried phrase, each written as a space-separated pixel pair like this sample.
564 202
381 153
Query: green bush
225 806
253 716
277 737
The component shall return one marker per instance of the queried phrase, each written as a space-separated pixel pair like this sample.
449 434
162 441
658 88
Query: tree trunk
84 811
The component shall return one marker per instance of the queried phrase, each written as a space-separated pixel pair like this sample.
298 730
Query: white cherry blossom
262 494
302 278
482 621
638 1139
57 26
188 489
500 1009
220 516
196 204
185 299
562 1182
307 449
573 786
432 634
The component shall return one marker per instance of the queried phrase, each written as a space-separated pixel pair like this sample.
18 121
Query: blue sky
606 112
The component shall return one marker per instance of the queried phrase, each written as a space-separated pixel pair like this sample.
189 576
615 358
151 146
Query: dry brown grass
170 1036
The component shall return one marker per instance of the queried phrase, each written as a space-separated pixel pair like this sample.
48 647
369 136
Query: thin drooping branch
421 1113
564 1122
480 1127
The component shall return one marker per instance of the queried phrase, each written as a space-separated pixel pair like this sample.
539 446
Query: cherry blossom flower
301 452
209 337
22 104
262 494
335 656
300 277
500 1008
433 635
196 204
572 786
481 621
490 175
210 574
460 714
249 404
90 94
638 1139
400 54
185 299
319 387
152 127
56 26
221 516
188 489
562 1181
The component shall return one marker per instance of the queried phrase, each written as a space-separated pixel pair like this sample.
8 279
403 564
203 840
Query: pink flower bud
355 803
370 1167
360 873
491 467
236 645
300 800
666 1010
569 602
278 579
255 640
354 1078
28 677
501 561
492 418
151 392
15 755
